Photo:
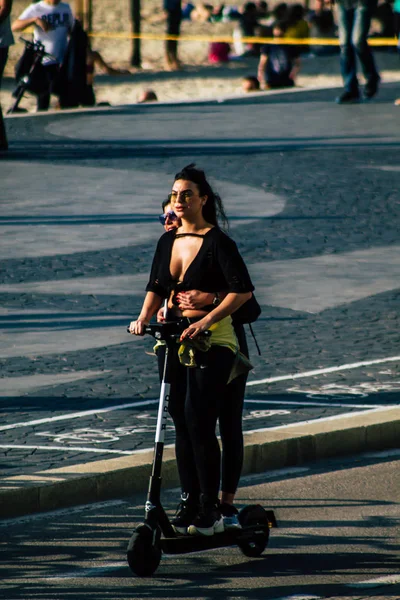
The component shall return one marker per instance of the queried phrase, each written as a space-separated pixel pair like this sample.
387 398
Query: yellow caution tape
247 40
230 40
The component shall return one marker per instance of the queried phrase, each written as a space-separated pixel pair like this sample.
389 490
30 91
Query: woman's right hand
138 327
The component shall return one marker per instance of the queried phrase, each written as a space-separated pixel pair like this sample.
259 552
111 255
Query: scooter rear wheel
252 516
144 552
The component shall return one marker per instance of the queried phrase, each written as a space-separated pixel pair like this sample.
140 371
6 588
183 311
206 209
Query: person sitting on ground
279 64
262 9
250 84
230 13
147 96
297 26
384 15
202 13
217 13
248 22
187 8
278 14
322 25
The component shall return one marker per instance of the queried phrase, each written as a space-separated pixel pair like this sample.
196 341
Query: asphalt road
338 538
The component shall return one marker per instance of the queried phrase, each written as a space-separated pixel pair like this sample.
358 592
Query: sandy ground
197 80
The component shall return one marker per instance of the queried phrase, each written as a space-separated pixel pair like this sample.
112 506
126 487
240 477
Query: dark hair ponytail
213 209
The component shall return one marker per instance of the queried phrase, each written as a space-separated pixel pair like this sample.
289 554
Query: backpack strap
255 340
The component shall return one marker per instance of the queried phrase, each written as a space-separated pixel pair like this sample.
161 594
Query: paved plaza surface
312 193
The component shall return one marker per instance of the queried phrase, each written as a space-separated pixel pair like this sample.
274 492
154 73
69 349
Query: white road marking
65 449
85 413
333 418
77 415
308 403
345 367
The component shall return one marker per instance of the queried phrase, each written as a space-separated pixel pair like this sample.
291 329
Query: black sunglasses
170 215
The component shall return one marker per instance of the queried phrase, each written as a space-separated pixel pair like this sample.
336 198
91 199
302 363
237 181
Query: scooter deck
183 544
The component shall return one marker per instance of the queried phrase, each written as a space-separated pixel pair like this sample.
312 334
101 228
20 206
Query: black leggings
228 408
196 396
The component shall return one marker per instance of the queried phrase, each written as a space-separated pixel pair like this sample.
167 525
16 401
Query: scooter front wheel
144 552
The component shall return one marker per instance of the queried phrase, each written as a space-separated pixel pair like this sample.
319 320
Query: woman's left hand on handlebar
194 329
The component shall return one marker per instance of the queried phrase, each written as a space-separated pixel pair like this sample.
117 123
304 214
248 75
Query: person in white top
52 21
6 40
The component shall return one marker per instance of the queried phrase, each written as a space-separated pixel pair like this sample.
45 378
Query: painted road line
308 403
78 415
65 449
345 367
323 420
85 413
142 450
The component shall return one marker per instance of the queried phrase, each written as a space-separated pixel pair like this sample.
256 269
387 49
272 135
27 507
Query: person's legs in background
361 27
43 100
3 136
171 46
348 66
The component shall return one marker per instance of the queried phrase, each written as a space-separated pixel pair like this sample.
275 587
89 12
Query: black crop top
217 267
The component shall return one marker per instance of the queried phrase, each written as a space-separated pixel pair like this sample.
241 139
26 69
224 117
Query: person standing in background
354 20
6 40
52 21
173 14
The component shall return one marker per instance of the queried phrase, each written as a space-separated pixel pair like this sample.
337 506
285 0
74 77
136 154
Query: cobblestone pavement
311 190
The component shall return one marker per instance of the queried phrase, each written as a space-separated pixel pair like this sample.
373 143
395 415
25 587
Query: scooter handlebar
38 47
168 329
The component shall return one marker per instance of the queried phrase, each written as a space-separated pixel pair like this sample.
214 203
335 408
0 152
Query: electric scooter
156 535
